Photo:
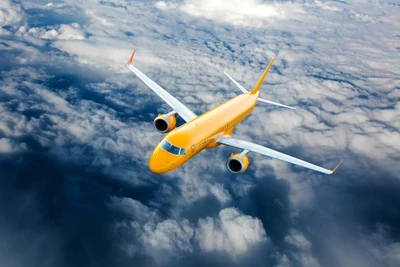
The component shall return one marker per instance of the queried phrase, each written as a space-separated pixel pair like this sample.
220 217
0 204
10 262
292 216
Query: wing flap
229 141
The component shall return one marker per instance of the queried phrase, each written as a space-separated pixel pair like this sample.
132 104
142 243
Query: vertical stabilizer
255 89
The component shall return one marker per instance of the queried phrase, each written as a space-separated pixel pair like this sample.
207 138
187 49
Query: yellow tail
255 89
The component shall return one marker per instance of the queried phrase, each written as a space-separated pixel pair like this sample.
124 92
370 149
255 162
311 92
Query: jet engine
237 164
165 123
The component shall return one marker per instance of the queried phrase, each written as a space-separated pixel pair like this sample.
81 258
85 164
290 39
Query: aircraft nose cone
159 161
155 165
162 162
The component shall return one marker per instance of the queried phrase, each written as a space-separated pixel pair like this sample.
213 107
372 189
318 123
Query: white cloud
134 209
64 32
168 239
298 240
326 6
99 20
94 53
244 13
164 6
303 245
231 232
9 146
11 14
337 62
220 193
381 247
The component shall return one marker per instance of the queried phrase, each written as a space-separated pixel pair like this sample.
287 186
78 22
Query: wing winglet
131 58
337 166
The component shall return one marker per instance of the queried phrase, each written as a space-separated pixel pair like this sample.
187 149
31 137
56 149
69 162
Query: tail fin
255 89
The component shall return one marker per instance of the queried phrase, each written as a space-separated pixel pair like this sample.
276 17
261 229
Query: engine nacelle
236 164
165 123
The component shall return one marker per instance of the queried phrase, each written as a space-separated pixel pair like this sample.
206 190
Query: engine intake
236 164
165 123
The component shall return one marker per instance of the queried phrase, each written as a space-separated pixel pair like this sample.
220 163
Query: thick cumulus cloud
232 232
168 238
75 134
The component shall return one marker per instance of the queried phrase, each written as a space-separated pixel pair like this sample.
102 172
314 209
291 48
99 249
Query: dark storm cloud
366 206
55 213
75 134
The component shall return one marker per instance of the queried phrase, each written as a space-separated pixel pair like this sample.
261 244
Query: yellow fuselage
202 132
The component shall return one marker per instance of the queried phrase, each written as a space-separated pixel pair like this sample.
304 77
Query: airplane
209 130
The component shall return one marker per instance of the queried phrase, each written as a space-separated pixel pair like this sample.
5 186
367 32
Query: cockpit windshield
170 148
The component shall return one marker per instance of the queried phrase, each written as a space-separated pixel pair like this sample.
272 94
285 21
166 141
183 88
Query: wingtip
131 58
337 166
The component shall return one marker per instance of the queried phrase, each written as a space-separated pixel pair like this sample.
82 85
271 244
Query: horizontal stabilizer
274 103
236 83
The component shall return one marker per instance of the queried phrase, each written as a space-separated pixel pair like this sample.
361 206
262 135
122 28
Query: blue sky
76 132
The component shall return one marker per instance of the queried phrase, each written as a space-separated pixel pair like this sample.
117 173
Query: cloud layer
76 132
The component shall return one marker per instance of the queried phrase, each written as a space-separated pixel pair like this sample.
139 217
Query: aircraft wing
251 147
174 103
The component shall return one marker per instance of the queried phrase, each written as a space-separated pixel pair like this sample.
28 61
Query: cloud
249 13
133 208
62 32
11 15
298 240
9 146
220 193
232 232
304 247
381 247
99 20
168 238
76 133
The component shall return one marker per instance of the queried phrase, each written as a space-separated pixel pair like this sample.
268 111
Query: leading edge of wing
174 103
229 141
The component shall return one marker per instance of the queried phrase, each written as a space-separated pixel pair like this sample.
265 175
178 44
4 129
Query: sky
76 133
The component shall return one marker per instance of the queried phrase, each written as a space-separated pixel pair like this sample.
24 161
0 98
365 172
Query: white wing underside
245 145
174 103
